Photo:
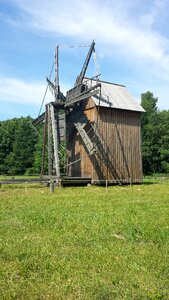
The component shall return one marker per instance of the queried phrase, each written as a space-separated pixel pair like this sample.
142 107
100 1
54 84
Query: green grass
84 243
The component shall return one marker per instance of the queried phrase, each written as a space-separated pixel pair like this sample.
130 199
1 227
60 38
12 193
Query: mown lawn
84 243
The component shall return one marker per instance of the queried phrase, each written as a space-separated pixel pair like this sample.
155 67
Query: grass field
84 243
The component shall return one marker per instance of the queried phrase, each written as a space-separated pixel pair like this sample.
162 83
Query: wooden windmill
99 124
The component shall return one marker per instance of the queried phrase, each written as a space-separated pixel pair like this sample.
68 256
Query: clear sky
132 47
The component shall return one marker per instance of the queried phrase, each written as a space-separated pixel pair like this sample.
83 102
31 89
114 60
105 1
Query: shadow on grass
148 183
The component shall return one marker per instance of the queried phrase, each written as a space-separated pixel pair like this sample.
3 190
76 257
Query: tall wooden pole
50 160
57 88
44 143
55 140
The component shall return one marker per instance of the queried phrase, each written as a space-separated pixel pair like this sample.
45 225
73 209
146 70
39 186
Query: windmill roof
115 96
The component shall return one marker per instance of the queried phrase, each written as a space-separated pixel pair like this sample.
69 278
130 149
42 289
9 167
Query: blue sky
132 47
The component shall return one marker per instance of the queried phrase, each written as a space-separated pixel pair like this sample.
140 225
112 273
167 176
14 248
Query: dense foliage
18 146
155 136
21 144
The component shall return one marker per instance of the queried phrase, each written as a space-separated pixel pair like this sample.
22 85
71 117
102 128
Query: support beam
44 143
55 140
50 158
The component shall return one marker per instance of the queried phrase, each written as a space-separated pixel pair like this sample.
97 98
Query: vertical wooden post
51 186
44 143
49 143
55 140
106 185
130 181
57 89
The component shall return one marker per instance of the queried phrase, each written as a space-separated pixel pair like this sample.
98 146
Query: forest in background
21 143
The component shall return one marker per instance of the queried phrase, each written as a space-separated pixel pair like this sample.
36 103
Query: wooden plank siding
119 156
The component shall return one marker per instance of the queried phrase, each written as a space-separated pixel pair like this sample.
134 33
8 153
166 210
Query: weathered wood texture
118 148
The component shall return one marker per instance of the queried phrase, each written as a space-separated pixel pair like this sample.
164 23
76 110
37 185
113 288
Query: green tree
7 138
24 147
17 146
164 140
150 134
38 151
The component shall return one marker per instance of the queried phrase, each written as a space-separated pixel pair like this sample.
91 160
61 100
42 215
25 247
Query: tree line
155 136
20 147
21 144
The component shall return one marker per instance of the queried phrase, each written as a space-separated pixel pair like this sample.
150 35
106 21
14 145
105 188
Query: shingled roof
115 96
